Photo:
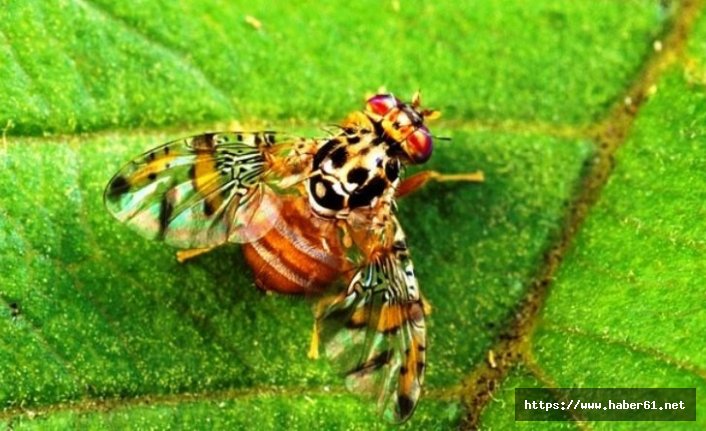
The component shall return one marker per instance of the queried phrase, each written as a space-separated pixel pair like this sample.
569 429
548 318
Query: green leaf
234 411
100 328
91 64
627 306
633 286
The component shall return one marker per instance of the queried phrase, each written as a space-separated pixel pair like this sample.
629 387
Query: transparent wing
377 328
200 191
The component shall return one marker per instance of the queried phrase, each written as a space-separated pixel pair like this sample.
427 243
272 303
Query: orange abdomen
301 254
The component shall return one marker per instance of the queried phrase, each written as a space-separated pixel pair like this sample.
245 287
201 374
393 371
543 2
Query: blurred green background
101 329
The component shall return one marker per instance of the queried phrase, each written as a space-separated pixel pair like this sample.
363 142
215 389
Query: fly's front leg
418 180
184 255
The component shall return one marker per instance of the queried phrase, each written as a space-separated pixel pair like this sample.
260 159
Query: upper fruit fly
311 213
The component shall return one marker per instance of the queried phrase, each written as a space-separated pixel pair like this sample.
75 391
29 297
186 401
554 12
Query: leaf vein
173 52
31 79
627 345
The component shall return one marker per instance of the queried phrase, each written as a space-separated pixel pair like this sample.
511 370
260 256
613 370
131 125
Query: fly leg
319 310
418 180
314 344
184 255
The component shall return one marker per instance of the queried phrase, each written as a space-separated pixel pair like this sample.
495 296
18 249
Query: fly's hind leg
184 255
418 180
319 310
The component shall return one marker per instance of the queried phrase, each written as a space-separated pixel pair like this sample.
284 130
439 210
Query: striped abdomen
301 254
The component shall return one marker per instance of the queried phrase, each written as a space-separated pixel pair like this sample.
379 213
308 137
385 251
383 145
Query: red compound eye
382 103
419 145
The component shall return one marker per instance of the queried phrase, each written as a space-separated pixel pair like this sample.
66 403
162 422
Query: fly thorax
350 172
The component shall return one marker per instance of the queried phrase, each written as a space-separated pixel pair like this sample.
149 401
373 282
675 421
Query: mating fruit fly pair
309 213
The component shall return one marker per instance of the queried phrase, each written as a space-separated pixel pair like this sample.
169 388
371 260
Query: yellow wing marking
205 179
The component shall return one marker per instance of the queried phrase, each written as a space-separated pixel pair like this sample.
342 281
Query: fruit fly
311 214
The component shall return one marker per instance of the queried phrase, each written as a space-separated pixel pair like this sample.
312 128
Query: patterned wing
378 325
200 191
